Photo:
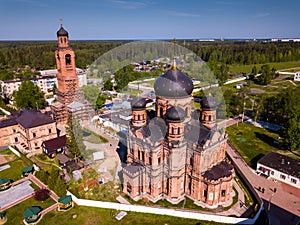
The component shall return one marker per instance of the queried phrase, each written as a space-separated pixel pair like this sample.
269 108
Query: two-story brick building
27 129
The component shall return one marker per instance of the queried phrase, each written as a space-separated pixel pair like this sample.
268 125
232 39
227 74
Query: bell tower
65 61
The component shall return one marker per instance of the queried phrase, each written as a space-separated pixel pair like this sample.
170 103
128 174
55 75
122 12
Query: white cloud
181 14
259 15
130 4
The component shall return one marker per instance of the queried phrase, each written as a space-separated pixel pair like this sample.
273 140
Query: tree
291 132
41 194
54 89
254 70
29 96
74 137
220 71
90 93
53 180
100 100
267 74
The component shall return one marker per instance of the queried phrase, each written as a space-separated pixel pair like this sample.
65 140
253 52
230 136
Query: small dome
173 84
209 102
175 114
62 32
138 103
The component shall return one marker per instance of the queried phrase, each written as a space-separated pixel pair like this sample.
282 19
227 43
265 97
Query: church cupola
208 115
139 114
173 84
62 36
175 127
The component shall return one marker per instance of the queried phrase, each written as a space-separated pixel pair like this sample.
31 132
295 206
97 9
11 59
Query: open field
89 215
278 66
253 142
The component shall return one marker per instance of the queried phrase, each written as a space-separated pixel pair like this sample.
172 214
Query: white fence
163 211
14 151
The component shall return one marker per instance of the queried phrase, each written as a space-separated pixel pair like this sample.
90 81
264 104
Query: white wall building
297 76
45 82
280 167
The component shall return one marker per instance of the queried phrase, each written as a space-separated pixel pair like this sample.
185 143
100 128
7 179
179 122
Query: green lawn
91 215
278 66
92 137
251 141
15 170
15 214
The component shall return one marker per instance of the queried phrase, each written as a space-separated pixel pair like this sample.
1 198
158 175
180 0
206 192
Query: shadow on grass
268 140
254 160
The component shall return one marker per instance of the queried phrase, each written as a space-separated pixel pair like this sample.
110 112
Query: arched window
178 130
65 40
68 59
61 41
209 118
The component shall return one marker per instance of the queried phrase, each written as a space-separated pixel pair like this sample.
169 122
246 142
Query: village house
54 146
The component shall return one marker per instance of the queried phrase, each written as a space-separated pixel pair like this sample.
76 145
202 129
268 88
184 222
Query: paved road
284 205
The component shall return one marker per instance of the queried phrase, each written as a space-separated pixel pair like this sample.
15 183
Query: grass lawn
92 137
15 170
252 142
278 66
91 215
15 214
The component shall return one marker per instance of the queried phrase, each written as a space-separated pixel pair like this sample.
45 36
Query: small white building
280 167
297 76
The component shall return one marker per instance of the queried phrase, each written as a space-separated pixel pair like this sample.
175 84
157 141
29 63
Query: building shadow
254 160
278 215
269 140
122 152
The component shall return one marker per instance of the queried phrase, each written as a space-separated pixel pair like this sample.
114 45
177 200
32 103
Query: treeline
247 52
39 55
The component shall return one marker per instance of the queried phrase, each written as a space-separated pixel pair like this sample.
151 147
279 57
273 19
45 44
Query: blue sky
149 19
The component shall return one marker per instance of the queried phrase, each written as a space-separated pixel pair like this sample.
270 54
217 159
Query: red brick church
179 153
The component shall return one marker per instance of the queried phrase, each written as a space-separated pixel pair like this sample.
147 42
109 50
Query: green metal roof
4 180
27 169
32 211
65 199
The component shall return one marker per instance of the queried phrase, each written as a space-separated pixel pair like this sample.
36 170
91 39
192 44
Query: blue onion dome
175 114
138 103
173 84
209 102
62 32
